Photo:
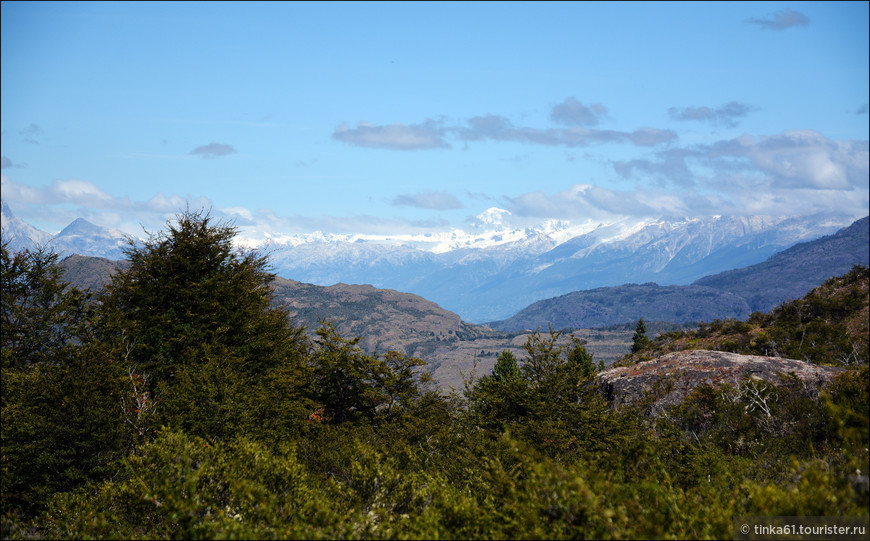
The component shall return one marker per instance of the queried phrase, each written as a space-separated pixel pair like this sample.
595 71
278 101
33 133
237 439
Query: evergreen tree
640 340
501 397
352 385
192 321
581 362
506 368
188 296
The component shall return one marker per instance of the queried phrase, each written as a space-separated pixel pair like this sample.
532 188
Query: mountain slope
84 238
385 320
85 272
828 325
793 272
607 306
17 234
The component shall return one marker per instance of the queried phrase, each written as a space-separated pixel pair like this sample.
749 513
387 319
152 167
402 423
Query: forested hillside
181 401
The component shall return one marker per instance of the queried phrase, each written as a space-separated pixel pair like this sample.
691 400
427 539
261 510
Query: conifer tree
506 367
500 397
640 340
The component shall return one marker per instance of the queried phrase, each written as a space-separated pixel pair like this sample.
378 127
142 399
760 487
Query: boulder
674 376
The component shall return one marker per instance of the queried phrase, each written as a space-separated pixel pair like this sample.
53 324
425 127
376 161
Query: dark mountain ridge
793 272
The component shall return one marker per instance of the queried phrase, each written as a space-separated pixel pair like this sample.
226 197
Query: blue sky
413 117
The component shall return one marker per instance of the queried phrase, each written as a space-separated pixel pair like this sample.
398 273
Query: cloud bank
574 113
432 134
393 136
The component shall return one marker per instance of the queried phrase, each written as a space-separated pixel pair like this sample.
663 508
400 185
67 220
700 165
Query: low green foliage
185 406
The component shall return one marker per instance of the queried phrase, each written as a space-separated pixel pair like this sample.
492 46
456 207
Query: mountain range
491 272
784 276
491 277
79 237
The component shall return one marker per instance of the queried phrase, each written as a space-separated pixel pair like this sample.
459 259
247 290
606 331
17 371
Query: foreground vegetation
179 403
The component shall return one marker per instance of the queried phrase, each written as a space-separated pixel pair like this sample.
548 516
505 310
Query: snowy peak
17 234
79 237
81 227
481 235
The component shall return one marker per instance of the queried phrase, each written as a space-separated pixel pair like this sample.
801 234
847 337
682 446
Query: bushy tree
187 289
41 317
353 385
556 369
184 487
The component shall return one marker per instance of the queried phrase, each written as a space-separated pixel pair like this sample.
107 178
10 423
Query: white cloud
798 159
803 159
587 202
240 212
18 192
499 128
490 127
80 192
492 216
65 200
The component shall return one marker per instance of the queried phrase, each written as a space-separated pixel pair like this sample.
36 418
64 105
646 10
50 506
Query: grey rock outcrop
674 376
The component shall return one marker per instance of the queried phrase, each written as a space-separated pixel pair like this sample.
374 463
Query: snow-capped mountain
80 237
491 274
491 271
